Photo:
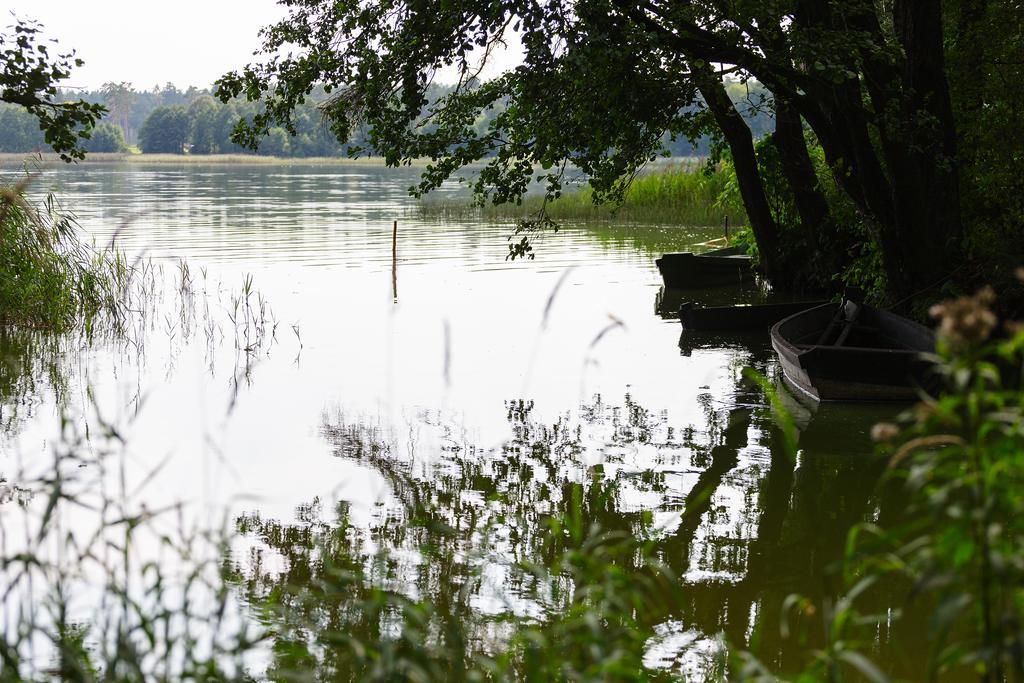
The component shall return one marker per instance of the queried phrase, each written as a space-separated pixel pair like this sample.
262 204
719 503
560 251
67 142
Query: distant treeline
168 120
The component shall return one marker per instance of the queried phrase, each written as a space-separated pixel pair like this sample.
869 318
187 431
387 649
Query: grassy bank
679 194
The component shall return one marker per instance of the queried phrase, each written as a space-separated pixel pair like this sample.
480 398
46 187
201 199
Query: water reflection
463 413
740 520
33 370
667 301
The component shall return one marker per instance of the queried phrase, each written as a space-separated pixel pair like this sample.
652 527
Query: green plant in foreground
99 587
962 457
399 598
958 546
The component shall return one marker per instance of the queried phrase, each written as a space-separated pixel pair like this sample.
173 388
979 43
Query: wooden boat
853 352
741 317
667 301
716 267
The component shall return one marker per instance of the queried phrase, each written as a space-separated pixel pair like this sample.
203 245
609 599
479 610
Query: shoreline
49 158
9 158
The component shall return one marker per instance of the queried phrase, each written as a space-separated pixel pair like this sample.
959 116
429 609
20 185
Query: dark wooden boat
853 352
667 301
717 267
739 318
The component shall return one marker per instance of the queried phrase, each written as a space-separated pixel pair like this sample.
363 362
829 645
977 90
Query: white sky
147 42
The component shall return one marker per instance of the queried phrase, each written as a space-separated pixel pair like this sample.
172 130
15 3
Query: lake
457 381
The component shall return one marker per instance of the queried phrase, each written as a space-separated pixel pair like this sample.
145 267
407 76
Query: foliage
984 42
210 124
958 547
82 602
581 586
48 277
845 249
521 133
19 133
204 125
19 130
337 610
165 131
341 612
868 80
100 582
581 582
276 143
962 456
29 77
106 138
119 98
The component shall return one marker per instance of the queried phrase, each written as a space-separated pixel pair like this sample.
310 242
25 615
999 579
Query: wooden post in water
394 261
726 229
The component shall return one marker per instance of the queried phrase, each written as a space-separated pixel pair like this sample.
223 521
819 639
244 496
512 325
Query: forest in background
168 120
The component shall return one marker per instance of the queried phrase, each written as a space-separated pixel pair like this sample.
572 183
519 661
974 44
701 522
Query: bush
106 137
48 277
165 131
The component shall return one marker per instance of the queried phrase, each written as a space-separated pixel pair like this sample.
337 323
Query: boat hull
719 267
739 318
854 373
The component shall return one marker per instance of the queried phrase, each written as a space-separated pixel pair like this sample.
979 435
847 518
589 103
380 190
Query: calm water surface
482 377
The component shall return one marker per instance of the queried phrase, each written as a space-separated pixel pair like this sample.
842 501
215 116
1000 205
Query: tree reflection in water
28 367
738 523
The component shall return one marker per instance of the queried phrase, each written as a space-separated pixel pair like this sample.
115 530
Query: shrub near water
48 277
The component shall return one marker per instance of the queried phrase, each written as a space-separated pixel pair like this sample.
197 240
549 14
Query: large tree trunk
969 56
799 171
741 144
923 156
895 155
913 197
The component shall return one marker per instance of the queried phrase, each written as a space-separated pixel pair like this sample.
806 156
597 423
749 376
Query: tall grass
97 581
96 586
49 278
678 194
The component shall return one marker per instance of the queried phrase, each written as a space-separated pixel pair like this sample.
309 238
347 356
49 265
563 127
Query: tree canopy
30 72
106 138
863 84
166 130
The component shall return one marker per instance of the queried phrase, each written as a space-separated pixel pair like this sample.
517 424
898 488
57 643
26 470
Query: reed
675 194
49 278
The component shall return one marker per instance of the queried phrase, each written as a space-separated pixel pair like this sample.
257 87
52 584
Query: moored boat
730 265
741 317
852 352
